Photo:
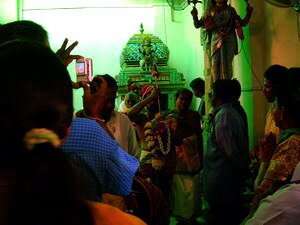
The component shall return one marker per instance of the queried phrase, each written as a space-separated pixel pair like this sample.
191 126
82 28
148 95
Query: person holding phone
37 183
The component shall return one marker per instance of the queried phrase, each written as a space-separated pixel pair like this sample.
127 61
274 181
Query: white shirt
122 106
124 133
281 208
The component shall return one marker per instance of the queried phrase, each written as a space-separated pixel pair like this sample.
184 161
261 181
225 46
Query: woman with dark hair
275 83
25 30
279 160
283 156
32 31
37 185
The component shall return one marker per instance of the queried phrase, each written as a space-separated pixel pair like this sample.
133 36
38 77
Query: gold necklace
93 118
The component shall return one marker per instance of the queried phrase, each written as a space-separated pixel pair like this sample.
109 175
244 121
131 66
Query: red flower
160 128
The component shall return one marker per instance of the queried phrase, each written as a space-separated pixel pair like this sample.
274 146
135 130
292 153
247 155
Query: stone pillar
207 59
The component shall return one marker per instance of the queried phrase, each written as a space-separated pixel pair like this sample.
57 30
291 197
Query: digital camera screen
80 67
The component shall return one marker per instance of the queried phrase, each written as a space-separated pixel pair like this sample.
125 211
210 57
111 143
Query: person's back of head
198 87
236 89
197 82
38 91
111 82
293 74
24 30
97 81
290 101
36 111
222 91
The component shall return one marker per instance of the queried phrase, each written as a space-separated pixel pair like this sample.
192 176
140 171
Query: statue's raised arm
222 20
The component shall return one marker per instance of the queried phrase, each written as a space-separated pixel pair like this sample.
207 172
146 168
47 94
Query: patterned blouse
285 157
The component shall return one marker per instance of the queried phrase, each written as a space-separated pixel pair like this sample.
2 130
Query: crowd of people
138 165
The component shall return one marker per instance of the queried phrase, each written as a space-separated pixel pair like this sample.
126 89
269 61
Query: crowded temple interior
156 112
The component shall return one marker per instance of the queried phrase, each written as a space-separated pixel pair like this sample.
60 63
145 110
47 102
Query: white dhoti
186 196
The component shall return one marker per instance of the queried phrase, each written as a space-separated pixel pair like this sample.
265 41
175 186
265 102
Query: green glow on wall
20 6
103 29
243 72
8 11
102 34
247 84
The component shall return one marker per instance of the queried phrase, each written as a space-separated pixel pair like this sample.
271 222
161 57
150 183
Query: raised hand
64 53
194 12
155 93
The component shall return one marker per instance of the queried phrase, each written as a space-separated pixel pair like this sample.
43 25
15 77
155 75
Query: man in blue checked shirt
104 166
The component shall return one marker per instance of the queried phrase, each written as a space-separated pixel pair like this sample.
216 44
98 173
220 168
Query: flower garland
161 144
158 138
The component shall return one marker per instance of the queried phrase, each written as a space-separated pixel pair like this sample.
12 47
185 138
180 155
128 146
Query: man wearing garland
158 155
186 195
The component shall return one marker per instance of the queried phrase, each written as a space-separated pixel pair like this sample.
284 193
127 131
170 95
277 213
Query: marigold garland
154 132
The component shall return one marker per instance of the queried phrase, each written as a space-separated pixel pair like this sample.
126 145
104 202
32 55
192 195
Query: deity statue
222 23
148 60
